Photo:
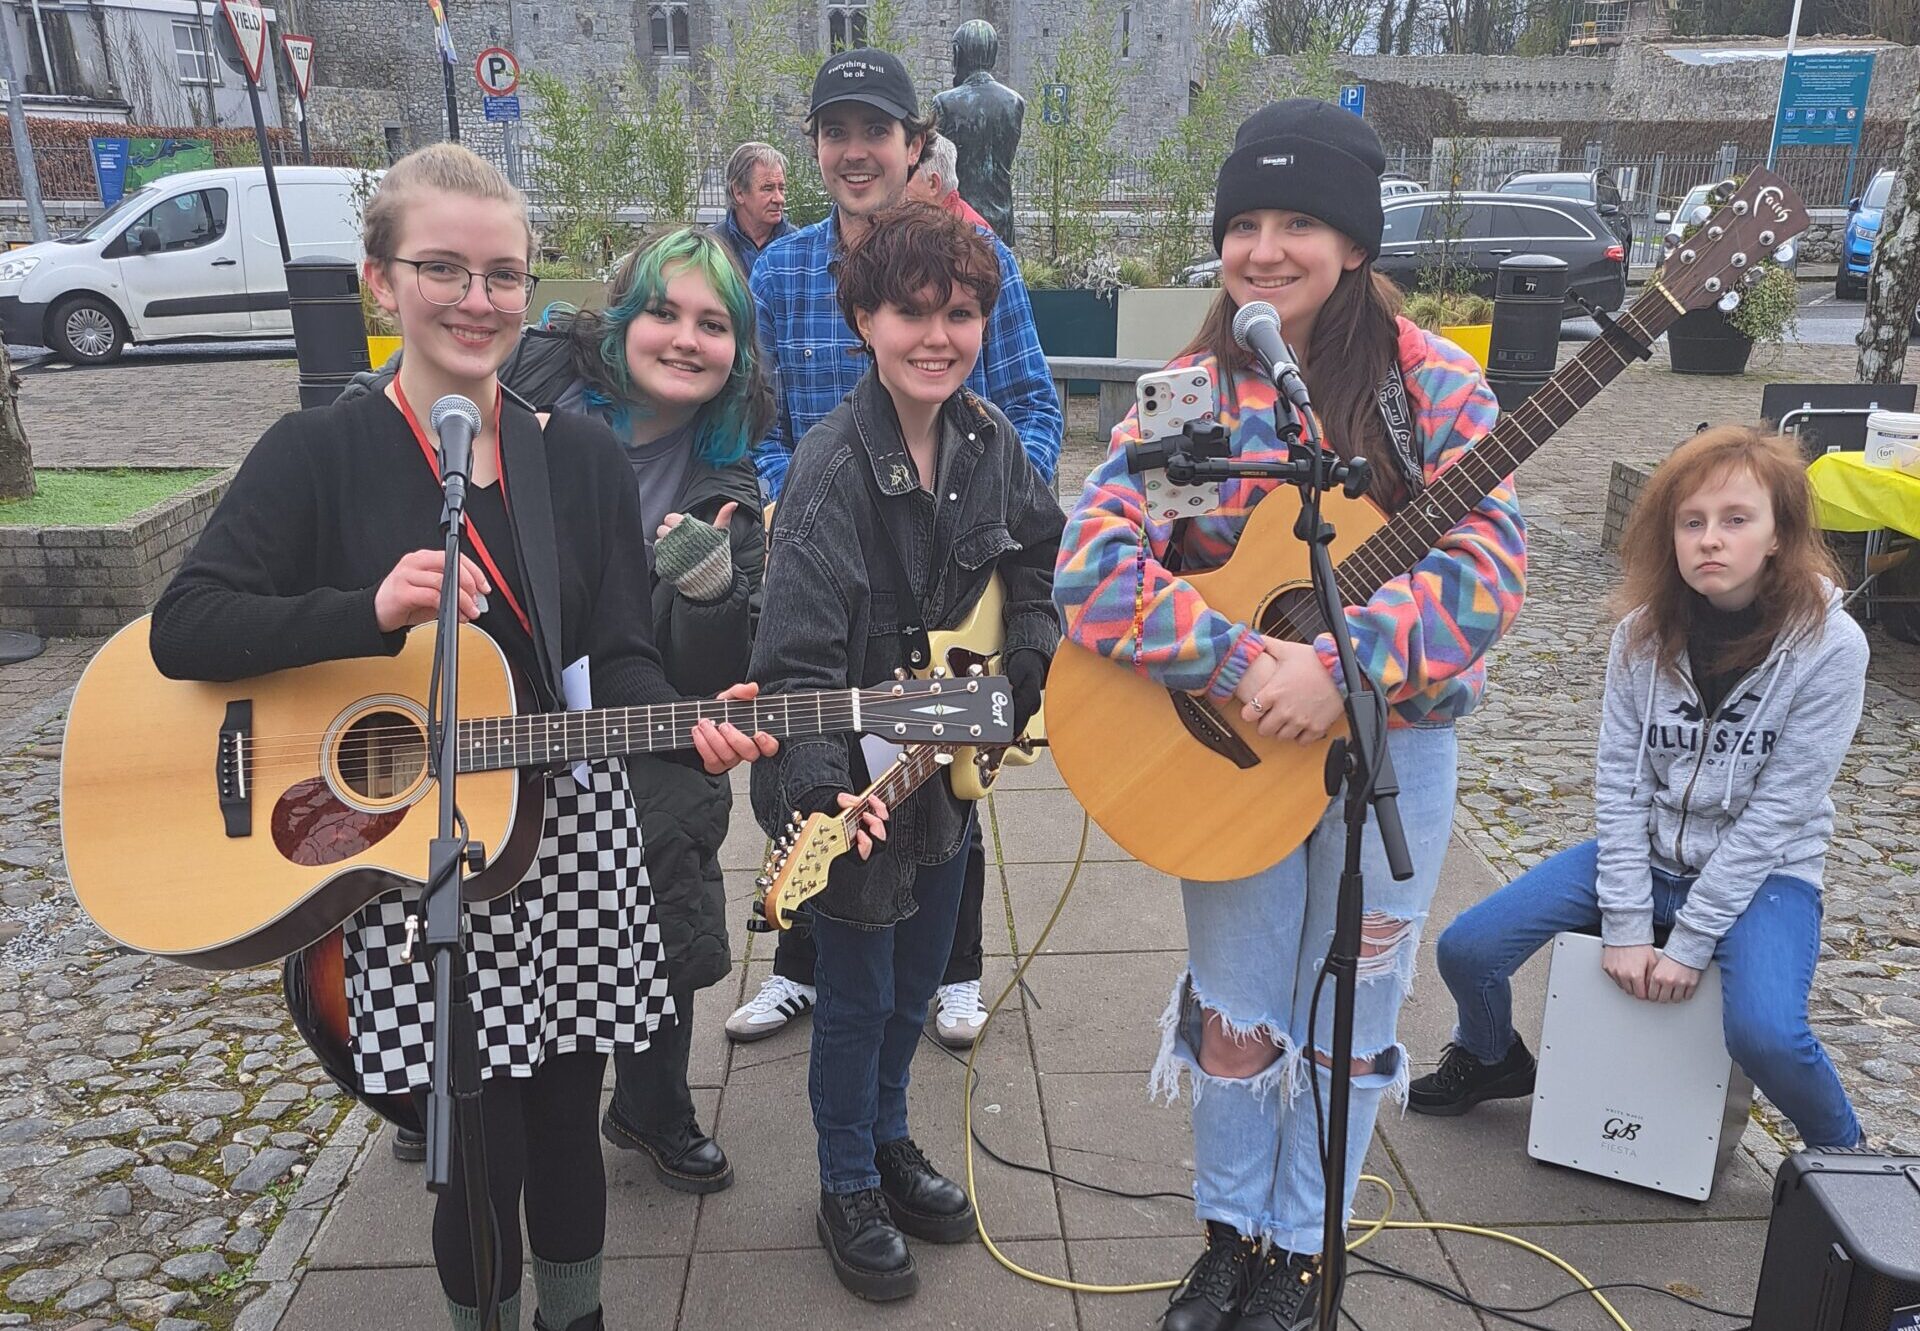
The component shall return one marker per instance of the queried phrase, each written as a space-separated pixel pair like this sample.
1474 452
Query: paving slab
638 1292
960 1286
1101 1013
1712 1262
1116 906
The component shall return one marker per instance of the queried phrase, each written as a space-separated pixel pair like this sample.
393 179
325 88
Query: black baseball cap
877 78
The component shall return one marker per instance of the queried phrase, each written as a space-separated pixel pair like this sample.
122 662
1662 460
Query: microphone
1256 328
455 421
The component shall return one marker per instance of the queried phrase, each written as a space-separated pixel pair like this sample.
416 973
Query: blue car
1863 228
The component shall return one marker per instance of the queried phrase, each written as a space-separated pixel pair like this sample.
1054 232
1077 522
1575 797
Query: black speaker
1843 1246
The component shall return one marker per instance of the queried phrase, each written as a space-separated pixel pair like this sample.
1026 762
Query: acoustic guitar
1177 779
226 825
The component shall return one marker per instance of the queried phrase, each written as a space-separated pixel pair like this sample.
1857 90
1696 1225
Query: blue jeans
1255 947
1766 968
871 992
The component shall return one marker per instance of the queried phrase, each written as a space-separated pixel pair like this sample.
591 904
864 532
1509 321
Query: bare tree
1287 27
16 459
1893 288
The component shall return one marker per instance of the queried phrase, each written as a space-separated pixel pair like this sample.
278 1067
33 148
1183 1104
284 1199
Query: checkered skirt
571 959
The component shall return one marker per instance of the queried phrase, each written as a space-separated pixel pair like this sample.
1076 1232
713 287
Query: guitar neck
558 738
904 775
1457 491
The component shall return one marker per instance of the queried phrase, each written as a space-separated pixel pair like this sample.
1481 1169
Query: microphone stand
453 1098
1359 764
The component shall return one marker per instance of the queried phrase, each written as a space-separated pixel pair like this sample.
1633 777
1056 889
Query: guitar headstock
1755 221
967 709
797 865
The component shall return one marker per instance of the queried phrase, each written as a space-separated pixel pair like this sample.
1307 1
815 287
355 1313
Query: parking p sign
497 71
1353 97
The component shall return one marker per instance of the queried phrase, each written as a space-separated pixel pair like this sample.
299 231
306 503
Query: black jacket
834 610
706 647
683 811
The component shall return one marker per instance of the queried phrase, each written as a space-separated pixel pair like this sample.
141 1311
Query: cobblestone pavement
168 1148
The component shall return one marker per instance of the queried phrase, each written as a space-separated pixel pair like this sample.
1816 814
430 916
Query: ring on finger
1257 705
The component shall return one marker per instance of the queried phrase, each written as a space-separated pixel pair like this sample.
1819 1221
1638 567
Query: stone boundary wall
89 581
1623 492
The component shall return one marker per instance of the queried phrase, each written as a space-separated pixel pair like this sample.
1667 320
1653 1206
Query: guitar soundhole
381 756
1291 616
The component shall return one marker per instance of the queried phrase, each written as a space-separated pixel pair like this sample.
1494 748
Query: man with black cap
868 134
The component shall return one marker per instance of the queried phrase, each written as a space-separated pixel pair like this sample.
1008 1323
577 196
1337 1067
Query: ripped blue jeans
1255 947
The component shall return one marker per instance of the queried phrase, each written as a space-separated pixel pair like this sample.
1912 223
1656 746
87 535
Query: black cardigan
327 503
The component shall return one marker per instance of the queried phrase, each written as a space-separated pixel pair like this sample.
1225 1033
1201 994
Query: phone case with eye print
1168 400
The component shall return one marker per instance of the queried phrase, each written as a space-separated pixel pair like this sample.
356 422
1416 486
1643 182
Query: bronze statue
983 117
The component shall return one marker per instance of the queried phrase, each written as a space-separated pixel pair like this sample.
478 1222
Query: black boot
409 1145
1463 1081
1208 1297
923 1202
870 1256
593 1321
685 1158
1285 1294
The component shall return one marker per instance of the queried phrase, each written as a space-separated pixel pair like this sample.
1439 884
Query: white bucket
1893 440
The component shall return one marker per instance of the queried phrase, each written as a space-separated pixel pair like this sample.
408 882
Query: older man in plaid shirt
868 135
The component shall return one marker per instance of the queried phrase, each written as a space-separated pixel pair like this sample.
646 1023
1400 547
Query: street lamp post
1793 35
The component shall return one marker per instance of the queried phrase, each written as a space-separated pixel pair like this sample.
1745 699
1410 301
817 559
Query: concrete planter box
89 581
1156 322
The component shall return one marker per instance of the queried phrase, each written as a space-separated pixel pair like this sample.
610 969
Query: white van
190 256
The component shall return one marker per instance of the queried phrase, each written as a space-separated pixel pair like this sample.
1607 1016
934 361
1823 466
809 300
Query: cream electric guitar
975 647
226 825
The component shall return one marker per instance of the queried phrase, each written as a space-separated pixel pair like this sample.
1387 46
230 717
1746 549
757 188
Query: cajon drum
1641 1092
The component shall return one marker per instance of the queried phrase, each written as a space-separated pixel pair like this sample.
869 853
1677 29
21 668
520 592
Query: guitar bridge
1204 722
232 776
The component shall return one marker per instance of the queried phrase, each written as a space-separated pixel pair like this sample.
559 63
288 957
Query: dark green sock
567 1291
468 1319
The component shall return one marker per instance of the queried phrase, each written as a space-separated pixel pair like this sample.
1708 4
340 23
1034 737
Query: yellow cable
1372 1227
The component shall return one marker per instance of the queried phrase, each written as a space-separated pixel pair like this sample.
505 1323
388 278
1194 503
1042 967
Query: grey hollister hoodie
1732 797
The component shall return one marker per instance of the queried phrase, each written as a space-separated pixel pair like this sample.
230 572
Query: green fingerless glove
697 558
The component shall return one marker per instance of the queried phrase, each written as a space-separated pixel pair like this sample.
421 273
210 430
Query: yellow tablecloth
1851 496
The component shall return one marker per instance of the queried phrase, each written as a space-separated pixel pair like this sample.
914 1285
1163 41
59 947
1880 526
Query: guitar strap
1397 414
536 540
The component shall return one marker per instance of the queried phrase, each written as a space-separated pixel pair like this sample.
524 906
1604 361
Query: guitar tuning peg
1711 284
1700 214
1785 253
938 672
1724 190
763 882
1751 276
900 672
1767 237
976 670
1729 302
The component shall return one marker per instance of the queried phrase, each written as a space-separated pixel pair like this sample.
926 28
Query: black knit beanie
1306 156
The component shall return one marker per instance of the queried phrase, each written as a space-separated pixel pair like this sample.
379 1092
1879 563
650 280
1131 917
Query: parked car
1486 228
190 256
1682 215
1863 229
1393 185
1595 187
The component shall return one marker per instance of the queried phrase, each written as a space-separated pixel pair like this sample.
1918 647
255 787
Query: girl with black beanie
1297 224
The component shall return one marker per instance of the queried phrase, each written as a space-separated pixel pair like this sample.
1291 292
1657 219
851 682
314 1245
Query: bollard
1529 295
329 335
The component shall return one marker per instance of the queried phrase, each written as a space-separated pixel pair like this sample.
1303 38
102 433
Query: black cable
996 1157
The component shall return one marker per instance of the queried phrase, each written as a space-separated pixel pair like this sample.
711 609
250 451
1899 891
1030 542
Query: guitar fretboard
556 738
1417 528
903 776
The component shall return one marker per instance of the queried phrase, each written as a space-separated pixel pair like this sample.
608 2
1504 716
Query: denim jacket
832 613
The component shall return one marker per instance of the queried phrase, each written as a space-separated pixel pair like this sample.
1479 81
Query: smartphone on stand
1168 400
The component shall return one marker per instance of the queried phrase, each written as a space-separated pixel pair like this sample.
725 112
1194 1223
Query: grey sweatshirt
1733 797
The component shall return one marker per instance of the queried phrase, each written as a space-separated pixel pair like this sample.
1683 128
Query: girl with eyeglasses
328 547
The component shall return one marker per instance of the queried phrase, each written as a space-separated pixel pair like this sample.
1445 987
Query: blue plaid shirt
814 355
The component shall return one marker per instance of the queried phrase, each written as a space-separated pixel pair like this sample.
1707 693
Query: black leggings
543 1141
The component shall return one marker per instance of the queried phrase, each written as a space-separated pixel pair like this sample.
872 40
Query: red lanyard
472 532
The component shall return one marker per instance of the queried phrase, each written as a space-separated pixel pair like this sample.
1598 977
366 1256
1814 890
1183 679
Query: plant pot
575 292
1474 339
1074 321
1703 342
380 350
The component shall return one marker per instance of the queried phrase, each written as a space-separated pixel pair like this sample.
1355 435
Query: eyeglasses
509 290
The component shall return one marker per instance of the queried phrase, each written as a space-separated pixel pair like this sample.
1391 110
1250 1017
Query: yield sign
300 60
249 34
